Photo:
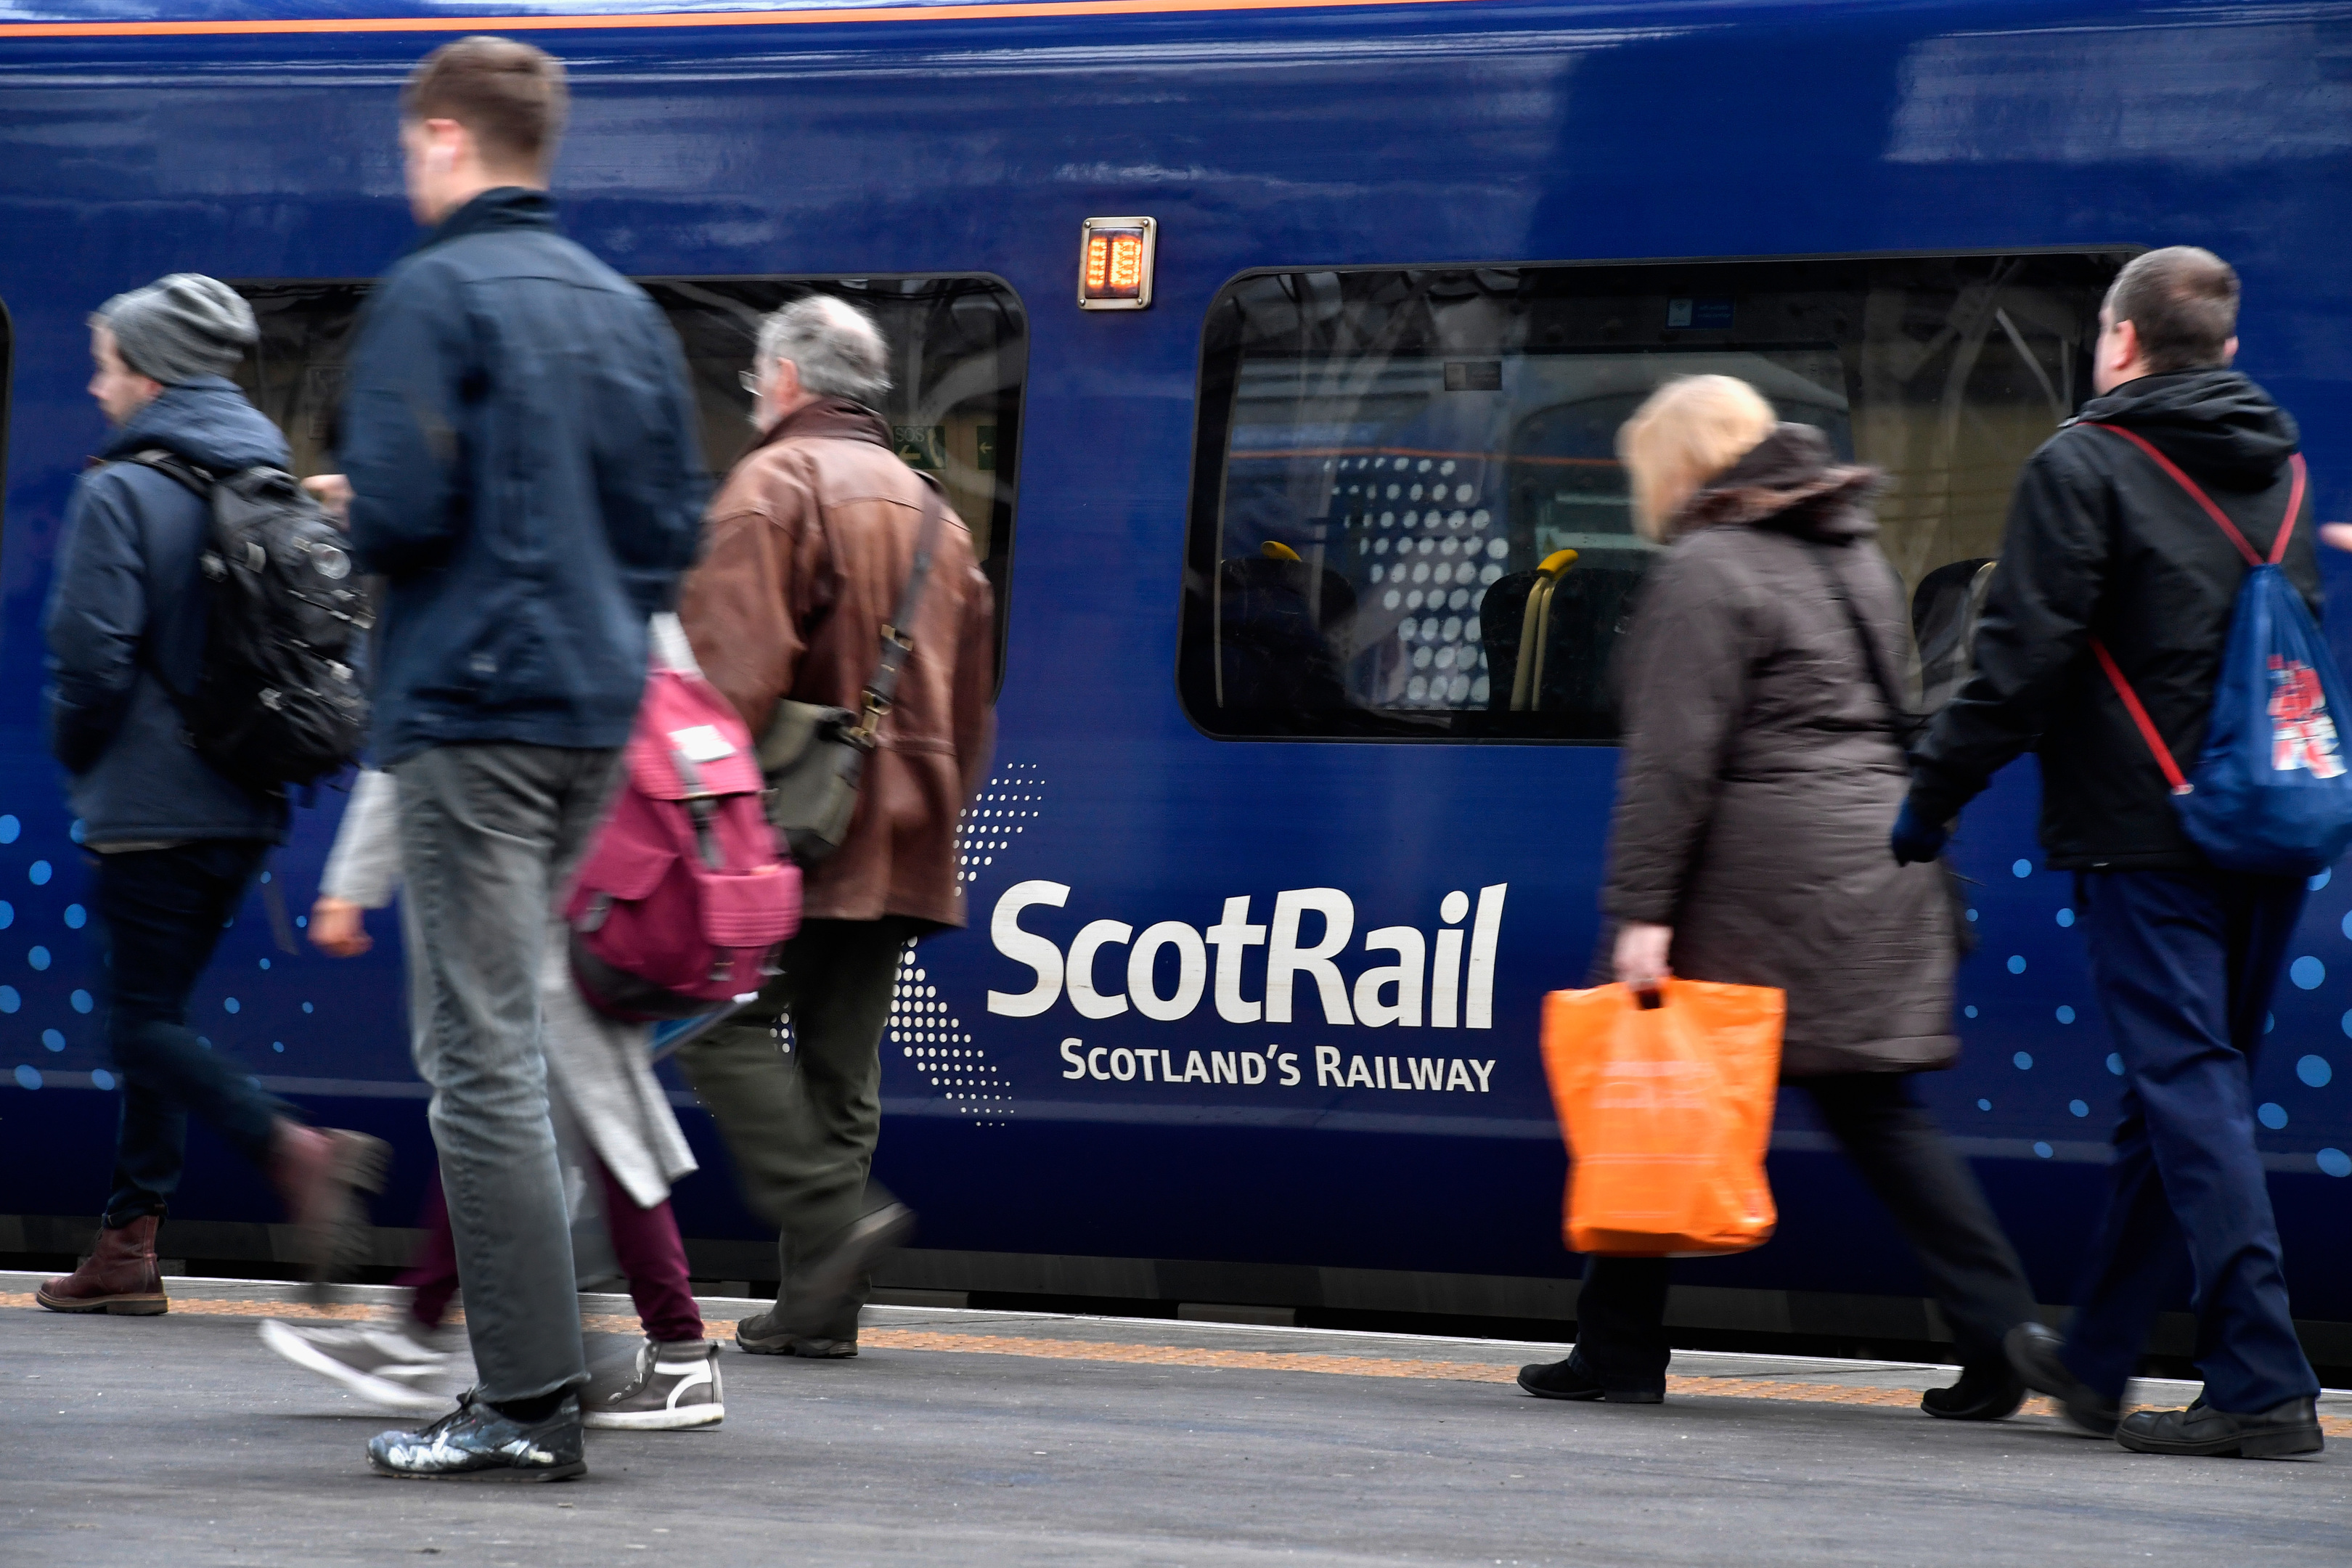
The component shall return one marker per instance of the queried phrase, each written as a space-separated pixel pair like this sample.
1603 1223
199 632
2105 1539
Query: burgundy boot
317 1171
118 1277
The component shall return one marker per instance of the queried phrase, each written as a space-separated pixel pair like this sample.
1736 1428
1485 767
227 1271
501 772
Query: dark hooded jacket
525 474
1760 769
2102 543
125 625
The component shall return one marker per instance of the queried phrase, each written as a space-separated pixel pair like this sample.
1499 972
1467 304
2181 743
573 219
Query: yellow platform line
1114 1353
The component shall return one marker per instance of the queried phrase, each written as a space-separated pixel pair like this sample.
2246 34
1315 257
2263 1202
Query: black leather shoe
1985 1393
1567 1379
2034 1355
819 1300
2289 1428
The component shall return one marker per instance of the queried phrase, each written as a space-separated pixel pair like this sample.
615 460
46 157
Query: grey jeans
487 834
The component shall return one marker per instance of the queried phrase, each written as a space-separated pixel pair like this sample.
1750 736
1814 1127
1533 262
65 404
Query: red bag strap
2294 500
2148 731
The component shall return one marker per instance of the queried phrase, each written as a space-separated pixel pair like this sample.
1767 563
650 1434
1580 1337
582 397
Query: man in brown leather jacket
805 551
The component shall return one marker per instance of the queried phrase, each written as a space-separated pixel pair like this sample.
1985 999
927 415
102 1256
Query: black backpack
278 702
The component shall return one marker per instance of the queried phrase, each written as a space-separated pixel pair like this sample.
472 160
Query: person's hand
2338 534
1913 839
1641 957
337 929
333 494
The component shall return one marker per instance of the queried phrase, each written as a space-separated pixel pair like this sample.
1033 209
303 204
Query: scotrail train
1301 794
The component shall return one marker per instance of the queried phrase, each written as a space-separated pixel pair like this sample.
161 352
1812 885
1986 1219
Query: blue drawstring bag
2271 793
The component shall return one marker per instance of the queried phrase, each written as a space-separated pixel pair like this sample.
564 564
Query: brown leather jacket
805 551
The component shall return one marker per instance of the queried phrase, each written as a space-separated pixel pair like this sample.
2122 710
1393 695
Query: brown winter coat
1760 776
804 554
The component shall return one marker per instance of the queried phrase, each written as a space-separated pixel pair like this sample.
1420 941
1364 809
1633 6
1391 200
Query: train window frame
1005 449
1201 653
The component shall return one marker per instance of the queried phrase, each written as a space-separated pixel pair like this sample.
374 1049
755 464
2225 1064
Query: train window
959 347
1408 521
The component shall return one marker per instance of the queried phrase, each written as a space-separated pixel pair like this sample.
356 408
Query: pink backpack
681 898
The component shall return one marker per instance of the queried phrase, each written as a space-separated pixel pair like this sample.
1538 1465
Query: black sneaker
763 1334
1568 1379
668 1387
1985 1393
2034 1355
381 1362
474 1442
2289 1428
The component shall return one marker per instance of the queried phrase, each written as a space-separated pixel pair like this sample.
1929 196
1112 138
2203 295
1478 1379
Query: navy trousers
2185 963
160 914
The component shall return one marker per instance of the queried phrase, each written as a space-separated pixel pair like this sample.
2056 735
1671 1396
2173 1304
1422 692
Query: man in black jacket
523 468
2108 550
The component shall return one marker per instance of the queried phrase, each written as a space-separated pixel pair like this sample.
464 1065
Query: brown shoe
317 1171
118 1277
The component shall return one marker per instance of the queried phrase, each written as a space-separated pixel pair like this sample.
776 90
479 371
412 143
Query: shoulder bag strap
898 637
1905 724
2173 777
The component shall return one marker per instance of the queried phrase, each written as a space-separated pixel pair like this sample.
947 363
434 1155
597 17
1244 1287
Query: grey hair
835 346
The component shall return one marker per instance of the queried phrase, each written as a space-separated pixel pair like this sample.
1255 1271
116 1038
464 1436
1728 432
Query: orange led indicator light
1114 261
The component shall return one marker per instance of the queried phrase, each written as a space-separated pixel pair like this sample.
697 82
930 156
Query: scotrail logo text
1425 982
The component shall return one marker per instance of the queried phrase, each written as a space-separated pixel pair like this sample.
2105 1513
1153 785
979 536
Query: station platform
970 1437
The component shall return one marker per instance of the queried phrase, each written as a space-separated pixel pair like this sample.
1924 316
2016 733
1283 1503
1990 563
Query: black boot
1569 1380
1986 1392
2034 1355
2289 1428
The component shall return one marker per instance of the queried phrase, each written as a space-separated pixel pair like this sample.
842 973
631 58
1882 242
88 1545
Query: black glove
1914 840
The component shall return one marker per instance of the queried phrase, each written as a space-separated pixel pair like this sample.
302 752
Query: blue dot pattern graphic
1971 1011
9 1000
2335 1162
2065 1015
2116 1063
2065 917
27 1077
1984 1105
101 1079
2272 1115
9 828
229 1003
2307 972
2320 881
2020 868
39 873
7 914
76 917
2314 1071
2017 964
2043 1150
38 958
53 1040
2079 1108
81 1001
2024 1061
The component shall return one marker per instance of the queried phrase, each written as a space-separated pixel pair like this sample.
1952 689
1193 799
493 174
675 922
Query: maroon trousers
645 1242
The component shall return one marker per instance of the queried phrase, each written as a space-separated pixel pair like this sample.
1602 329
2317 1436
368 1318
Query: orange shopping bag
1667 1109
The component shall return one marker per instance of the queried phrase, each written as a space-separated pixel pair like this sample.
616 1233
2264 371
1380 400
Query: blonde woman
1761 767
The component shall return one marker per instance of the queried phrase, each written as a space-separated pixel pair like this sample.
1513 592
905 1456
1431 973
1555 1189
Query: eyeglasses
749 380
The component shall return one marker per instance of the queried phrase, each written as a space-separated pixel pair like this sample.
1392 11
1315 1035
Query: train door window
959 348
1408 519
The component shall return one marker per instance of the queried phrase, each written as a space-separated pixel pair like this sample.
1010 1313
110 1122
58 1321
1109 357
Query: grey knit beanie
181 327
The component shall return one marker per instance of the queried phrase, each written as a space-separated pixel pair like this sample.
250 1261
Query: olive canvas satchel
813 756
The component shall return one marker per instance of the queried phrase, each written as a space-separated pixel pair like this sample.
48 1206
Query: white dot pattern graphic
998 815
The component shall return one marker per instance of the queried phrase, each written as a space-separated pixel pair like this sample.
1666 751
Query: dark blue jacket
127 607
520 443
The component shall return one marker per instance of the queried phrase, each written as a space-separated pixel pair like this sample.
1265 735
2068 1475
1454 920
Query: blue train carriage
1304 766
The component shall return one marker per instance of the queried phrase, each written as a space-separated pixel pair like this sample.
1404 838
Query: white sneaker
667 1387
377 1361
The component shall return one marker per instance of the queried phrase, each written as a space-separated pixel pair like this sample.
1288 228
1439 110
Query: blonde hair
1685 433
